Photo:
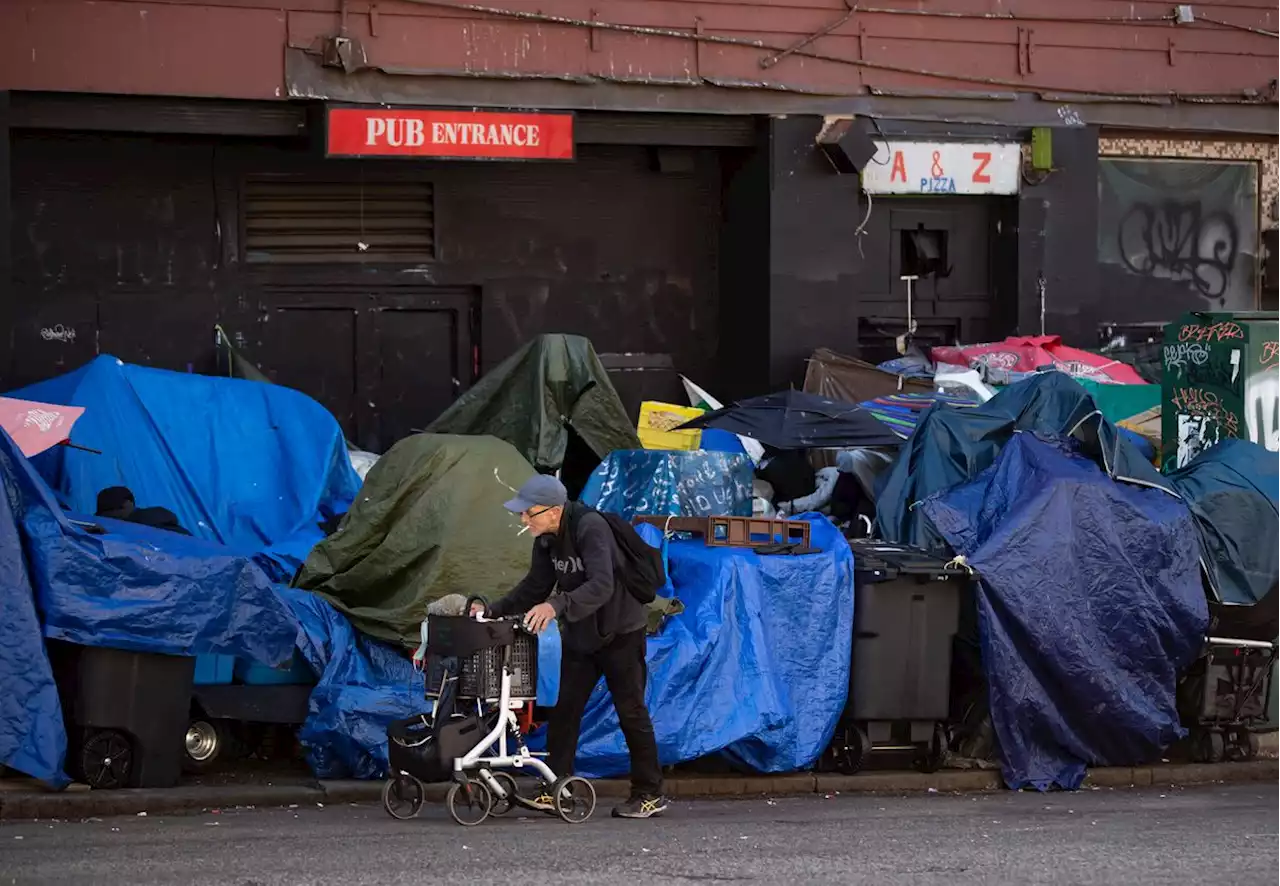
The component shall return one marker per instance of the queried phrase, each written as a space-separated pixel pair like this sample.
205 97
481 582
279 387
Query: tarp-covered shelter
1232 490
1090 605
252 466
852 380
428 522
108 583
953 445
533 398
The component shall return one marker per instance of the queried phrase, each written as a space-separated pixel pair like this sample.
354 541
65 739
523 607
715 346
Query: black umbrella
796 420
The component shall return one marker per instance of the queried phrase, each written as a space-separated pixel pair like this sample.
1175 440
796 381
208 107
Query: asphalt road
1223 835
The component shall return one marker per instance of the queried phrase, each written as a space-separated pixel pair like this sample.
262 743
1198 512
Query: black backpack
639 568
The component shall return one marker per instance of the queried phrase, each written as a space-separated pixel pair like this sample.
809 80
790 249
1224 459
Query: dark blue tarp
1232 489
133 588
1090 603
679 484
32 738
952 445
756 666
251 466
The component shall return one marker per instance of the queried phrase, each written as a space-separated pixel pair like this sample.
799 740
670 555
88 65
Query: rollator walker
480 671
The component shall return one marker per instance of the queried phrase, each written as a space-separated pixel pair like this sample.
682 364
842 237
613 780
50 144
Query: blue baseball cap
539 491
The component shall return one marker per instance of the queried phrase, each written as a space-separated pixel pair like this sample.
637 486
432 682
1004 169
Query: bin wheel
402 796
106 759
207 743
503 805
575 799
851 757
932 759
469 803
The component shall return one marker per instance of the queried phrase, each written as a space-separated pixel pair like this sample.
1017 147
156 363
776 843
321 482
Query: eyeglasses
531 513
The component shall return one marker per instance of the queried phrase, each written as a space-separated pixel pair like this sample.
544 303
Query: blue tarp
1090 603
757 665
252 466
953 445
32 737
681 484
1232 489
132 587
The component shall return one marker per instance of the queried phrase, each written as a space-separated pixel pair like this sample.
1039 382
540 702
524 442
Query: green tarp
428 522
529 398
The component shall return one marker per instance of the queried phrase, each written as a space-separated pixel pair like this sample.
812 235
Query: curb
70 805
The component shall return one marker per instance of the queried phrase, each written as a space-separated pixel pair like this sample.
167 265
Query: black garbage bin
906 614
126 714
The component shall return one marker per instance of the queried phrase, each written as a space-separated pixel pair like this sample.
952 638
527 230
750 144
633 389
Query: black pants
625 673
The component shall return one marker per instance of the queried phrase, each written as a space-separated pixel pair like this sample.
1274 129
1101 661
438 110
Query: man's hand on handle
537 618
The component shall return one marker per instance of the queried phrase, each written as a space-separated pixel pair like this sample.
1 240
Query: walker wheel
402 796
469 803
503 805
574 798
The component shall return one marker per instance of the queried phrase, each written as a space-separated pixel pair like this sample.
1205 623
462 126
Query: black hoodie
579 564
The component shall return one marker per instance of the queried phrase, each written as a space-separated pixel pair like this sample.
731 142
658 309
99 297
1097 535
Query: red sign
459 135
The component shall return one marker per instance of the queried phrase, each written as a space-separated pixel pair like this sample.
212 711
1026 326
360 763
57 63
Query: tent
429 521
1233 489
953 445
120 585
1090 605
251 466
532 399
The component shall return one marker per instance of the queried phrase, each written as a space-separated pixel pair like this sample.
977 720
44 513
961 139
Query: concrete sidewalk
21 800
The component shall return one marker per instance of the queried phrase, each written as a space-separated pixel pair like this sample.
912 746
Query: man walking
602 628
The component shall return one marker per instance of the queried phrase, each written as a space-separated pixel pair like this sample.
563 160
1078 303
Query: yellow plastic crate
656 423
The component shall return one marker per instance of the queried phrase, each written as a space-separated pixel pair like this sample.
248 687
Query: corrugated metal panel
308 221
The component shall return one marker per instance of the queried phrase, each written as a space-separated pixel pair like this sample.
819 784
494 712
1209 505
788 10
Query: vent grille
298 221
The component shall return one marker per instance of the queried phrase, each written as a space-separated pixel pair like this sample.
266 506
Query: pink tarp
36 427
1030 352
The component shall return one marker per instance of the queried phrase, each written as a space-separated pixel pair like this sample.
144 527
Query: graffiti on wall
1178 234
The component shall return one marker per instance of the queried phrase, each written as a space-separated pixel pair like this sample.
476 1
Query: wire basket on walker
480 672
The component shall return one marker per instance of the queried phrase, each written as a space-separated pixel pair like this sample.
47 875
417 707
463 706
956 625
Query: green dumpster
1221 380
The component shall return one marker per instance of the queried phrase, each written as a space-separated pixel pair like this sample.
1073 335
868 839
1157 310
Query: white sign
943 168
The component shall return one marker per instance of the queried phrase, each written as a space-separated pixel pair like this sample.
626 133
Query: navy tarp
1232 489
677 484
952 445
251 466
131 587
756 666
32 738
1090 603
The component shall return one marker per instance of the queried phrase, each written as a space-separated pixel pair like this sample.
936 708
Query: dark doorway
385 363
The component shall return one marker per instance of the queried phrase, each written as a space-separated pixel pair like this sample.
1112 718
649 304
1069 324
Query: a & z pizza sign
943 168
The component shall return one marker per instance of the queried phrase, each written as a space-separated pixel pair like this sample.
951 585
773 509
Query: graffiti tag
1206 404
1178 241
1269 358
1185 354
1212 332
64 334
